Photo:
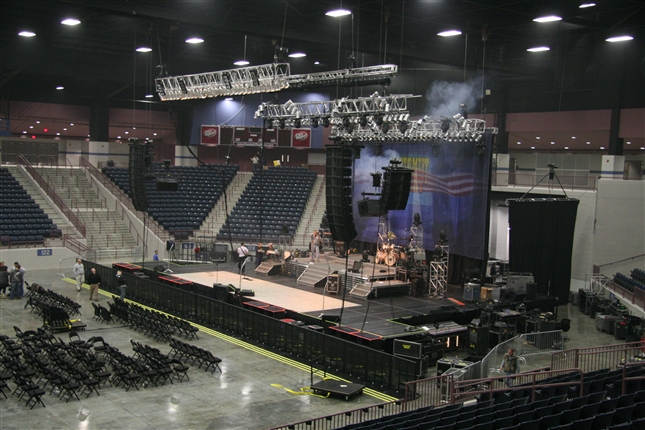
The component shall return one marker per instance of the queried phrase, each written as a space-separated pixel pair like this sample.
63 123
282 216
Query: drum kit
390 254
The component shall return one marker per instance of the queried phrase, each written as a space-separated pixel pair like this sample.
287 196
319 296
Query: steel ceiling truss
263 79
379 118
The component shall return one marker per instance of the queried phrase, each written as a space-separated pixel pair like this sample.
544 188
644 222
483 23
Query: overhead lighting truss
377 118
264 79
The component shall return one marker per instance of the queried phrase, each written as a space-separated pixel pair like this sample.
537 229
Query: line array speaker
139 154
396 188
339 193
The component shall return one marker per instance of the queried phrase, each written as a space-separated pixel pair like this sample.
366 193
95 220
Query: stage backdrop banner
210 135
541 242
449 190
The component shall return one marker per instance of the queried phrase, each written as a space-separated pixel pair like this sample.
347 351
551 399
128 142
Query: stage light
27 34
338 12
70 21
242 63
60 87
449 33
325 122
297 55
195 40
144 49
549 18
619 39
314 122
586 5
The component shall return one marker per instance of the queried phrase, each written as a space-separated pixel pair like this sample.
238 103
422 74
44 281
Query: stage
376 315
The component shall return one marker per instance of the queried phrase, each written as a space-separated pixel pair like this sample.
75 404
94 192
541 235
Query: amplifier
406 348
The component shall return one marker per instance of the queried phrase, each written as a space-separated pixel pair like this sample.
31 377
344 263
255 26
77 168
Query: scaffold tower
439 272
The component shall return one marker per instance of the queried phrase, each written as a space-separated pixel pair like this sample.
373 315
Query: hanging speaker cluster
339 193
140 159
396 188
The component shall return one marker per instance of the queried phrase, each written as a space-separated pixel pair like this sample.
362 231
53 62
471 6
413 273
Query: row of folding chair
186 352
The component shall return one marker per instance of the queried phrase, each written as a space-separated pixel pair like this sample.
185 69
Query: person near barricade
94 280
120 282
79 273
4 280
509 366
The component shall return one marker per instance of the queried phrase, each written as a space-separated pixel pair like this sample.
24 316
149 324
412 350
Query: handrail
124 199
569 182
619 261
20 159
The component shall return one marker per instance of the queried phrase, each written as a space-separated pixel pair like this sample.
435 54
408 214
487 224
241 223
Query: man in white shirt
242 253
79 273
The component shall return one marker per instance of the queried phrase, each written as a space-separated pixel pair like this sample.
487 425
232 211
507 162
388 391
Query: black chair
571 415
484 426
602 421
550 421
590 410
521 417
504 422
562 406
623 426
623 415
626 400
531 424
565 426
608 405
523 408
582 424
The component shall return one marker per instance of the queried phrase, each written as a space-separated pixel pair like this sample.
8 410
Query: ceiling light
573 137
24 132
127 132
60 87
619 38
297 55
118 137
602 147
537 137
552 143
338 12
195 40
37 122
27 34
316 62
149 96
57 134
72 124
519 143
144 49
449 33
532 147
549 18
228 99
566 147
64 129
642 147
31 126
134 128
154 134
584 5
70 21
629 143
539 49
588 143
242 63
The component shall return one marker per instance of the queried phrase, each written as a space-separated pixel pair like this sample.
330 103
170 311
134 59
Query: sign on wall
47 252
301 138
210 135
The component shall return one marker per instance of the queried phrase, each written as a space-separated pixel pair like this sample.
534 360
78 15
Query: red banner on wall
210 135
301 138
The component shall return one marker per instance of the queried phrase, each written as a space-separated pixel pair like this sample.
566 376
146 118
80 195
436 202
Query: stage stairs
361 291
269 268
315 275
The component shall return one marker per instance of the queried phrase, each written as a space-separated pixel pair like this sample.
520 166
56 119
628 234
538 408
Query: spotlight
282 124
325 122
314 122
363 121
297 123
445 125
385 128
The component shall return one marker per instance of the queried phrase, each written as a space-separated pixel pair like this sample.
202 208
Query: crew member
242 253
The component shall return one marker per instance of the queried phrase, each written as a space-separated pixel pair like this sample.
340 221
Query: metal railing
73 245
531 180
596 358
124 200
76 222
635 297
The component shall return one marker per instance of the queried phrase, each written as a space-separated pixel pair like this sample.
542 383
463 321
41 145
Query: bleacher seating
183 211
601 406
272 198
21 219
630 283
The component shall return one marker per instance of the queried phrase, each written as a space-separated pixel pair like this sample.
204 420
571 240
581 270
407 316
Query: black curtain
541 242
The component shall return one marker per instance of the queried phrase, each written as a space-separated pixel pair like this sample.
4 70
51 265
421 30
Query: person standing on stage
242 253
509 366
120 282
94 280
259 254
316 241
79 273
